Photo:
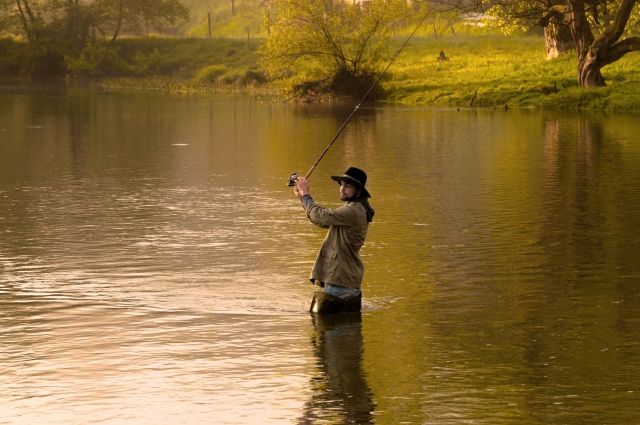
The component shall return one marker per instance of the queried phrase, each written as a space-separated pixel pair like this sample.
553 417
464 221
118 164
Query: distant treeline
200 61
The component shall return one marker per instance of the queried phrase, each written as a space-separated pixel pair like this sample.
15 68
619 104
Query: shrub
253 77
210 73
46 62
96 60
155 63
230 77
13 57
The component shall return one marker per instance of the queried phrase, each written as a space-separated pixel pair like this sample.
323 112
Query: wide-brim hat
356 177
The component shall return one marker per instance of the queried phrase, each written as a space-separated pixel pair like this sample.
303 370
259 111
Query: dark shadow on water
340 392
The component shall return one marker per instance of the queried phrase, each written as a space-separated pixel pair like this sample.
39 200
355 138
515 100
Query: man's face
347 191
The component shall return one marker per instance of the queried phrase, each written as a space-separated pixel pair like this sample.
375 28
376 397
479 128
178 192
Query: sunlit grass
184 55
496 70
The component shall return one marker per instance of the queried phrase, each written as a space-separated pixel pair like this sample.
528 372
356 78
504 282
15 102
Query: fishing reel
292 179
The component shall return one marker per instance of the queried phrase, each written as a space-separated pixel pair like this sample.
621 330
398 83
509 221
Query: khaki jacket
338 261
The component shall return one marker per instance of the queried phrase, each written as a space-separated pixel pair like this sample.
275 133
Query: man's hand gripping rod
294 176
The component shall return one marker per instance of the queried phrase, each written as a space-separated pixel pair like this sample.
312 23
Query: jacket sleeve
324 217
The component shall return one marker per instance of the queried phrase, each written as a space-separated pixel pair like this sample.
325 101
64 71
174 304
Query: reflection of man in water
341 394
338 268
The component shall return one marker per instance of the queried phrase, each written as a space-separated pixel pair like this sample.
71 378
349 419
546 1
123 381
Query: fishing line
294 175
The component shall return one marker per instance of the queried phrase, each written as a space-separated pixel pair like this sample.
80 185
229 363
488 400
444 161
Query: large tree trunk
557 39
595 53
588 65
589 74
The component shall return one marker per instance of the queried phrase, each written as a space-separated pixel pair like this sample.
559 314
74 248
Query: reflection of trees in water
582 173
340 393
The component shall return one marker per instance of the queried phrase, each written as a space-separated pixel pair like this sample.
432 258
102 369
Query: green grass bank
481 70
495 70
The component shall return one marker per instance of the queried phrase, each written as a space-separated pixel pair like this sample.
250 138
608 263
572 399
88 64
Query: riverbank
494 70
479 70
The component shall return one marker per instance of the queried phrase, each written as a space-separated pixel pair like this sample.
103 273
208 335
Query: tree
329 39
601 30
29 17
51 28
64 21
596 50
557 37
528 14
137 16
5 18
55 29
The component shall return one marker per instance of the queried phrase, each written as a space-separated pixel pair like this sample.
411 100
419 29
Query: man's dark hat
355 176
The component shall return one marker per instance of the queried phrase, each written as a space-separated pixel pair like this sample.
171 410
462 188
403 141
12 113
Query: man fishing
338 268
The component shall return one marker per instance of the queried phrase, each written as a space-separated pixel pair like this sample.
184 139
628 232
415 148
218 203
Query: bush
146 64
210 74
253 77
46 62
155 63
96 60
230 78
12 57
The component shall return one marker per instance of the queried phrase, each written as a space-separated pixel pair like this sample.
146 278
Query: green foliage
13 56
524 14
324 38
517 15
231 77
79 23
7 20
252 76
45 61
154 63
96 60
210 74
66 34
204 61
213 74
137 17
191 53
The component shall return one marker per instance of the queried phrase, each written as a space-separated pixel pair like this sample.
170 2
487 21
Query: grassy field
495 70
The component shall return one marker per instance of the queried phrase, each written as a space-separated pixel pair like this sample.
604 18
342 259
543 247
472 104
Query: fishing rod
294 176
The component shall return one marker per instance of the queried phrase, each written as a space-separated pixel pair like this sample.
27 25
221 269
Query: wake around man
338 269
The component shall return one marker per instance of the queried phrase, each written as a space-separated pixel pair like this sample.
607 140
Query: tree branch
620 49
27 8
615 31
556 11
23 18
119 22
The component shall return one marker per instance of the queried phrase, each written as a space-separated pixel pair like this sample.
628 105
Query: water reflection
341 393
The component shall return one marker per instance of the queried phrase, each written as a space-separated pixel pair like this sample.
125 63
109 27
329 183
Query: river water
153 264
